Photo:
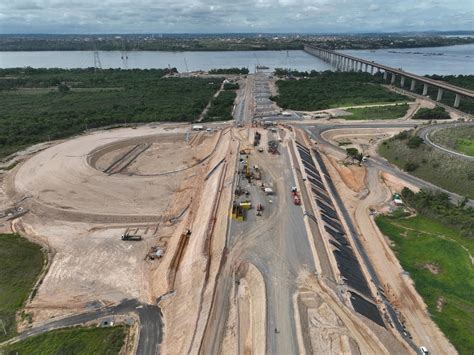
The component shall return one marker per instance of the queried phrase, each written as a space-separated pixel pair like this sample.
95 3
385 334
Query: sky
213 16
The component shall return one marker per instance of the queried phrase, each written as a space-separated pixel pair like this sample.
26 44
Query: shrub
411 166
414 142
437 113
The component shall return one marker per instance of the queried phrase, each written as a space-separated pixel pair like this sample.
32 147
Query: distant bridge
347 62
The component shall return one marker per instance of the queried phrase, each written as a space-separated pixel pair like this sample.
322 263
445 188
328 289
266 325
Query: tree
63 88
354 154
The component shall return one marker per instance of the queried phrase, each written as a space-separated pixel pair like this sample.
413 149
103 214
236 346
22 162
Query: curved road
426 134
151 325
315 131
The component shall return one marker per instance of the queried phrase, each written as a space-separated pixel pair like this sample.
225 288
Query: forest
333 89
46 104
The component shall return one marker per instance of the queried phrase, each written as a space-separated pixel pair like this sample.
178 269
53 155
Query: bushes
94 100
231 86
236 71
437 113
411 166
333 89
437 206
414 142
221 107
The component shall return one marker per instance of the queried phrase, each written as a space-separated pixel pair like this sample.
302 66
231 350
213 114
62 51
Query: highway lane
151 325
315 131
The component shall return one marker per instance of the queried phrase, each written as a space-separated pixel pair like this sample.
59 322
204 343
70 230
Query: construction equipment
273 147
296 196
238 212
131 237
257 139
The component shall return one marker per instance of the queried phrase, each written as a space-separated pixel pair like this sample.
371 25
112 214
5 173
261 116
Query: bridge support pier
393 79
402 82
412 85
440 94
385 74
425 89
372 69
457 100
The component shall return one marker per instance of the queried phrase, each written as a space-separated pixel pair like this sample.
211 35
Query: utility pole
186 64
97 63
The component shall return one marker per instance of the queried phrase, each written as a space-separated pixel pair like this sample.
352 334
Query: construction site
251 237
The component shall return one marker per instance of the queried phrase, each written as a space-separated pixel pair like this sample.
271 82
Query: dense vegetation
456 138
221 107
20 266
34 109
333 89
231 86
77 341
377 112
435 248
237 71
437 206
408 152
221 42
437 113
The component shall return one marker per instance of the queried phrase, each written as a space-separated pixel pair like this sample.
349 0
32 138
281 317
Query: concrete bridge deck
348 62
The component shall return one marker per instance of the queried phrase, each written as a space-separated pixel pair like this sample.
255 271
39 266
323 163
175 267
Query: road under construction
250 237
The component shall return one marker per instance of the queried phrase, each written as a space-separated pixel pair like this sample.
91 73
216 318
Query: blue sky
205 16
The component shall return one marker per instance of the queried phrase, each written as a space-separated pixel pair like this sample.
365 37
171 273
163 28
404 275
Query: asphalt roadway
151 324
426 132
316 131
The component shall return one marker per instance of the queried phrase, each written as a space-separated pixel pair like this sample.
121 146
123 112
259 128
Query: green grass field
333 89
457 138
440 168
377 112
438 260
72 341
20 265
466 146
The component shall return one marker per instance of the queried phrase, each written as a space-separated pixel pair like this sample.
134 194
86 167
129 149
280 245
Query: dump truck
131 237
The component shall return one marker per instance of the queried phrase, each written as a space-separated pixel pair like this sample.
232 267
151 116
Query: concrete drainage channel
361 301
349 267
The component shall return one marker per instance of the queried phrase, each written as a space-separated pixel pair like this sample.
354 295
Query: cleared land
377 112
21 264
460 139
430 164
72 341
40 105
439 261
333 89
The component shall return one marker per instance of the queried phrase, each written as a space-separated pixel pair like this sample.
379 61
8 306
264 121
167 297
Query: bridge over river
347 62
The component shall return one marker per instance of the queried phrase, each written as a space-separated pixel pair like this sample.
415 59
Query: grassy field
75 341
437 259
20 264
333 89
40 105
377 112
457 138
430 164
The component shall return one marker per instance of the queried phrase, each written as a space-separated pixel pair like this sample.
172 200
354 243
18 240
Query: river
436 60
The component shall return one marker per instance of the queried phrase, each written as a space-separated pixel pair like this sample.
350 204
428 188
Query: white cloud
69 16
